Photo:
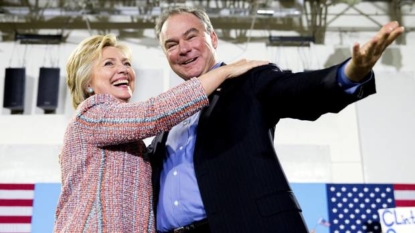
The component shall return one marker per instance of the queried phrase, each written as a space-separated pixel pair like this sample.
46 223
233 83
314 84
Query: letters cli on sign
397 220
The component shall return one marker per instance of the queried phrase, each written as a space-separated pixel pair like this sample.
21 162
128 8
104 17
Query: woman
106 176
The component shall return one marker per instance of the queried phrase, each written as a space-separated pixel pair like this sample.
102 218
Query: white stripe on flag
16 211
18 228
404 194
17 194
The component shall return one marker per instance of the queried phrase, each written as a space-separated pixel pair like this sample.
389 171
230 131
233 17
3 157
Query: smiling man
217 171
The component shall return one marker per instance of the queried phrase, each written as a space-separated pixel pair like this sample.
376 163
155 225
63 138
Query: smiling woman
95 65
106 175
113 74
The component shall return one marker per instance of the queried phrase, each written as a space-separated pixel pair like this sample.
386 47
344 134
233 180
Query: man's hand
365 57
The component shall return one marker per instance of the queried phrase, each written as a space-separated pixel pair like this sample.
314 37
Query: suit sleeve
303 95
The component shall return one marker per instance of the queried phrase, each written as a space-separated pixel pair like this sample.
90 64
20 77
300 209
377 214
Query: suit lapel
213 99
158 146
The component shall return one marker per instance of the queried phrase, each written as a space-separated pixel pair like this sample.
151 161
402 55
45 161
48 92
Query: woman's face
113 74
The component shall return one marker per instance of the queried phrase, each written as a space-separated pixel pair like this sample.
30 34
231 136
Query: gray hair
198 12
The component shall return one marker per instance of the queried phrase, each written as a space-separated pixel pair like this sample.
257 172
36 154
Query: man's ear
214 39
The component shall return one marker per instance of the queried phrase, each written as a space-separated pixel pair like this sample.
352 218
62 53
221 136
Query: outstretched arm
211 80
365 57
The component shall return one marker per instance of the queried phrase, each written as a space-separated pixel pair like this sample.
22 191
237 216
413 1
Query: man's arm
348 85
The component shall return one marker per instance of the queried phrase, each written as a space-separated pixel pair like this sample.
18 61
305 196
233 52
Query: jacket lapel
213 99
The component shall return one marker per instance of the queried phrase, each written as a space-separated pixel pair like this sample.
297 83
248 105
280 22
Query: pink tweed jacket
106 176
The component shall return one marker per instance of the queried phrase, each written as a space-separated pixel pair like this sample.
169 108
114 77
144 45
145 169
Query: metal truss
233 19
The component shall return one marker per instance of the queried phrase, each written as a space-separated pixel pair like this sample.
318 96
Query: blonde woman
106 176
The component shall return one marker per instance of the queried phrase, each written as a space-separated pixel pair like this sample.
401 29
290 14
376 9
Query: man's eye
169 46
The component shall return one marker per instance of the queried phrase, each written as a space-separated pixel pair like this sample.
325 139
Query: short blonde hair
81 60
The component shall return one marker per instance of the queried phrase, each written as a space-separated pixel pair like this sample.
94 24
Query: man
217 171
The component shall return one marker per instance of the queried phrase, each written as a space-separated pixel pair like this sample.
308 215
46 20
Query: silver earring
90 90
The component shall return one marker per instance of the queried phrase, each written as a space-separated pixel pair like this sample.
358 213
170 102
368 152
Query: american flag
323 222
353 208
16 207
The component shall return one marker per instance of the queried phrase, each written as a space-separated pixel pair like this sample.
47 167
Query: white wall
371 141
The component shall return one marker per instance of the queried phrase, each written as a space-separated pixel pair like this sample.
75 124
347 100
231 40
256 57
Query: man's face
189 49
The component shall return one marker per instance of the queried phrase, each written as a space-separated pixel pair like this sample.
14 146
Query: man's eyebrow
190 31
185 34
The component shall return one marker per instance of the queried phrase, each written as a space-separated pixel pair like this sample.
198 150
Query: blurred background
370 145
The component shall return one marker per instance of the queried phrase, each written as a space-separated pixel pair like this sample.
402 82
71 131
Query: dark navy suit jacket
242 184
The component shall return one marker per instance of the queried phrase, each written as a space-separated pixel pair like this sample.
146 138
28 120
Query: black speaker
48 89
14 89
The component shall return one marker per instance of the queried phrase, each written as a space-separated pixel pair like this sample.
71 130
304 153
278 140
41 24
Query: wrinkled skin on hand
365 57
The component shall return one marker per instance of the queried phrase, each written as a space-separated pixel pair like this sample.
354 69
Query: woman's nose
122 69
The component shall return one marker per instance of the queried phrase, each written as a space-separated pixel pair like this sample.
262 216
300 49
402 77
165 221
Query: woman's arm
211 80
113 122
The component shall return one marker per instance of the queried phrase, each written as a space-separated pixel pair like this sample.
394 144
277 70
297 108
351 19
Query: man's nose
184 47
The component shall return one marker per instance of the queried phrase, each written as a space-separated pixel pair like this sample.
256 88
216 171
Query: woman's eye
108 63
127 64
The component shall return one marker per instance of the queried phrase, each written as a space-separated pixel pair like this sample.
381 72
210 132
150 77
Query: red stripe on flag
404 186
405 203
15 219
17 186
404 195
16 202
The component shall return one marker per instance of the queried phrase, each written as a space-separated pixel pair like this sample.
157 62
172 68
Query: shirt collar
216 66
